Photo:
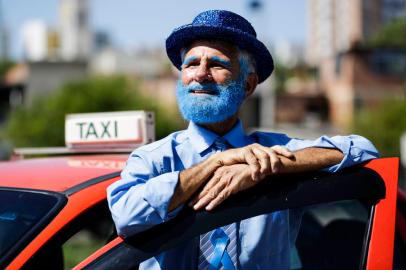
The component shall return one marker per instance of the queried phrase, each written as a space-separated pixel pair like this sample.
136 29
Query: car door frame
379 239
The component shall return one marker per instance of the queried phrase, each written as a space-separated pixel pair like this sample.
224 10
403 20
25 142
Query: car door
348 220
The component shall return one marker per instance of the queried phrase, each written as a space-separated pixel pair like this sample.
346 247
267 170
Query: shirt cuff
159 192
355 149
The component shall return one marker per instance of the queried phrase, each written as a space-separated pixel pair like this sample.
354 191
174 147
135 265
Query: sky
136 23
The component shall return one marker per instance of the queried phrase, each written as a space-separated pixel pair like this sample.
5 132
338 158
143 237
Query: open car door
349 220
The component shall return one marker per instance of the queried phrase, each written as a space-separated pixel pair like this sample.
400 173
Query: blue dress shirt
141 198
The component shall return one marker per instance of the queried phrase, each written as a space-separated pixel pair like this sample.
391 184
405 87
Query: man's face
211 87
214 62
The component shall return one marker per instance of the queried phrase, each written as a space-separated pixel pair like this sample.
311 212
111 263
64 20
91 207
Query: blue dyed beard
223 102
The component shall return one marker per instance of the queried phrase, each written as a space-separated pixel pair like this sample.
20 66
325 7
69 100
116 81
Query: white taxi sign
113 129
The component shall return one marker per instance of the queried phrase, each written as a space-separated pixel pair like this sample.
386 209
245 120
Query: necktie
218 248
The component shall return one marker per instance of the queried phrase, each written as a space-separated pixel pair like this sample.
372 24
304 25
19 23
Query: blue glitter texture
221 25
222 103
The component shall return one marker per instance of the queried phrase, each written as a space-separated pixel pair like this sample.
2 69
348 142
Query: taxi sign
113 129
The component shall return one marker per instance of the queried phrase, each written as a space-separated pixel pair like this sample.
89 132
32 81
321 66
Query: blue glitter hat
221 25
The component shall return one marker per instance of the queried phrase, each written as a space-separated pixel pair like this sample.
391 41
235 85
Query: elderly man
221 62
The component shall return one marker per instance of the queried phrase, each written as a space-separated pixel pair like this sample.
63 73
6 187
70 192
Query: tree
5 65
383 126
42 124
391 35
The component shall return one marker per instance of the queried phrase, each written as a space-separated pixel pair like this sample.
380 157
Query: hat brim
185 35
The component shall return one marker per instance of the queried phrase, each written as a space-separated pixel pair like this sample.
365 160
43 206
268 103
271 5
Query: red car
348 223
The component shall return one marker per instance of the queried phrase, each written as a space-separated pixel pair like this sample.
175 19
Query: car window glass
20 212
95 234
331 236
75 242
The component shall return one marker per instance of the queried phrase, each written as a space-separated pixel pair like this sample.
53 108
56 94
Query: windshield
21 213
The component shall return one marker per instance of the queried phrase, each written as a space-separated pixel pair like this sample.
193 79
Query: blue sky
136 23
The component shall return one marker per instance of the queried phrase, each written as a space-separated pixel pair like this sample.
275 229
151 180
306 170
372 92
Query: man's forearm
310 159
190 180
307 159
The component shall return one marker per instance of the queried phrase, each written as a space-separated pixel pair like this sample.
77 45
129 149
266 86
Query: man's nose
202 73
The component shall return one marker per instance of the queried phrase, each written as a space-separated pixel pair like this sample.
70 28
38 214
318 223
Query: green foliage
42 124
391 36
383 126
283 74
4 66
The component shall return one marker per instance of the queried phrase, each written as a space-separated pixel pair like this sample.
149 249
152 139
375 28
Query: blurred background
340 69
340 66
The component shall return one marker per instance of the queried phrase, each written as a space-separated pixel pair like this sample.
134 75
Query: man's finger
210 195
224 194
209 185
252 161
283 151
275 161
263 159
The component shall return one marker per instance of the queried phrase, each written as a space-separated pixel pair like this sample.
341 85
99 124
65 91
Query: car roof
58 173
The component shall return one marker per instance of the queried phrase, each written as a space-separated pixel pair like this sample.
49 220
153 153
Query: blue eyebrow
188 60
220 60
217 59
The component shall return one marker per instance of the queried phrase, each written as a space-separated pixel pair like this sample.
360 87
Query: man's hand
231 179
262 160
226 180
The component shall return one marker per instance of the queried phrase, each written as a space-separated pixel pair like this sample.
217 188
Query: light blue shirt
141 198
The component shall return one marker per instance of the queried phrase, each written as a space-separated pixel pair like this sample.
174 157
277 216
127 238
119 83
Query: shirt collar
201 138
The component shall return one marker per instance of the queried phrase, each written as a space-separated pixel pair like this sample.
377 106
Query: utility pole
265 94
3 36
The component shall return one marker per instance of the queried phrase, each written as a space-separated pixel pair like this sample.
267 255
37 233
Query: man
221 62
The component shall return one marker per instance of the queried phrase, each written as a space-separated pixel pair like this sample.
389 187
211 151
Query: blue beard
222 102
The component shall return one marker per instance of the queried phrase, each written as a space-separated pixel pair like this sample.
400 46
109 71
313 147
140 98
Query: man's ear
251 84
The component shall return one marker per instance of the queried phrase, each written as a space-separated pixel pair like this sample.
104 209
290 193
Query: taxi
47 202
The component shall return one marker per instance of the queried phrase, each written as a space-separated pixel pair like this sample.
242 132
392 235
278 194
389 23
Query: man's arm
356 149
327 153
331 154
235 178
190 180
150 192
258 158
311 159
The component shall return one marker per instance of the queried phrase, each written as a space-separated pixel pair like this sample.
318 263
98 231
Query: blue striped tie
218 248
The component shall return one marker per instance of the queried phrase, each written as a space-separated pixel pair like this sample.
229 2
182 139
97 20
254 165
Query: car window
93 234
22 214
84 235
331 236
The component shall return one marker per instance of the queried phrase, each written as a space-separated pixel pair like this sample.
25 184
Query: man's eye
191 64
217 65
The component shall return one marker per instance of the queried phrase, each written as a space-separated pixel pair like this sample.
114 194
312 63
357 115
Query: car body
50 204
77 185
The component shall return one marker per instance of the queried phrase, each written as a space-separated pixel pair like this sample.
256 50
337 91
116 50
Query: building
74 30
29 81
35 40
336 26
351 76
